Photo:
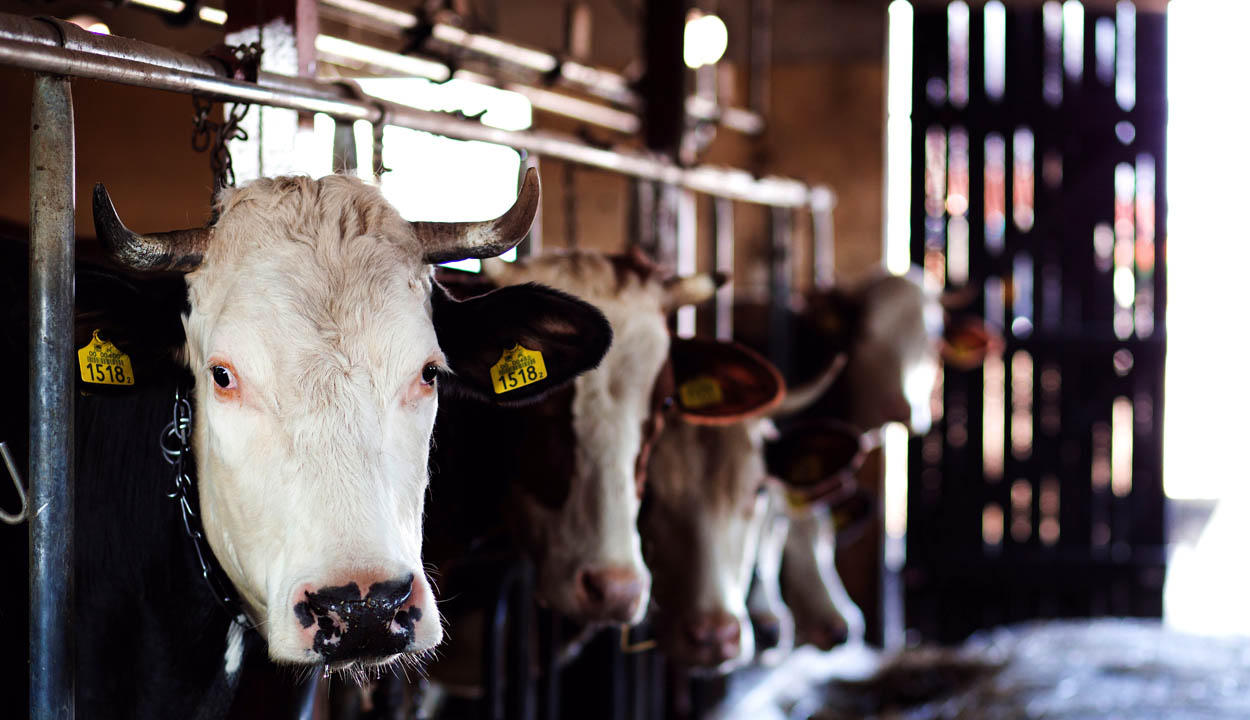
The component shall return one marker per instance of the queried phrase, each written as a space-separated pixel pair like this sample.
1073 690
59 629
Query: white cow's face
705 510
313 350
311 338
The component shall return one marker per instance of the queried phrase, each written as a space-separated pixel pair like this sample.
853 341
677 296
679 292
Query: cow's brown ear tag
517 368
100 362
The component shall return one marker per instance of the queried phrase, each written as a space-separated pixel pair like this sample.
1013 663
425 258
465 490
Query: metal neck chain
242 62
176 447
212 136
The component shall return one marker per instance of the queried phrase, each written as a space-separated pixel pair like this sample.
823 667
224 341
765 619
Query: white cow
315 345
706 510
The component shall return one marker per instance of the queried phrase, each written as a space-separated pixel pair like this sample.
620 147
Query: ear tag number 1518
101 363
517 368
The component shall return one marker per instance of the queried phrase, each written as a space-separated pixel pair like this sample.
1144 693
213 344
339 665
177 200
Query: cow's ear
514 345
816 460
967 340
717 383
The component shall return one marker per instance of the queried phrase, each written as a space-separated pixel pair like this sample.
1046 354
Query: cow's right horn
175 250
448 241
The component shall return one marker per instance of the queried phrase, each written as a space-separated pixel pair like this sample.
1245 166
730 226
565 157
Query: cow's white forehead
710 464
320 278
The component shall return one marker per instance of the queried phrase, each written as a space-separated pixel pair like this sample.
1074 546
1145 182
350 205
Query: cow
706 506
897 335
814 463
566 473
315 342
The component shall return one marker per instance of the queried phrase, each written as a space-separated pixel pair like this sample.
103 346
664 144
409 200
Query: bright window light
1207 391
437 178
898 139
705 40
1208 250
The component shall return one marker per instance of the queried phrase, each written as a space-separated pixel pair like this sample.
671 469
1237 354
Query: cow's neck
152 638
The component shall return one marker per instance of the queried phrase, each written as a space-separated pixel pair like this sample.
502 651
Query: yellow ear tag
101 363
517 368
700 392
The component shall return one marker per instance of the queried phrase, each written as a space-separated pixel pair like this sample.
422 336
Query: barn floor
1069 670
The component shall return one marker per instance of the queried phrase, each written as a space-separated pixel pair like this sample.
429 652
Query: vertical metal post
779 287
823 201
51 399
645 218
344 157
533 243
686 251
724 209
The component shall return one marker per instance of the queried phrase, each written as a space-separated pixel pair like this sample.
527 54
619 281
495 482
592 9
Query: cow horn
449 241
800 398
176 250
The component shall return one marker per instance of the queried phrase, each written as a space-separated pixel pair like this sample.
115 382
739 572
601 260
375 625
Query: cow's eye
223 377
429 374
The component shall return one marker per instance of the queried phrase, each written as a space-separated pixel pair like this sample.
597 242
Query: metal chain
175 442
209 135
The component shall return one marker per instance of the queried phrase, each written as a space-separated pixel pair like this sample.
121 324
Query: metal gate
1038 185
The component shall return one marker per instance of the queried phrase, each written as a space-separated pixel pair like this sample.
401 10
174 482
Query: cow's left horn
804 396
448 241
175 250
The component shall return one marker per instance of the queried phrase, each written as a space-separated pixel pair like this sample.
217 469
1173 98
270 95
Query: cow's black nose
352 625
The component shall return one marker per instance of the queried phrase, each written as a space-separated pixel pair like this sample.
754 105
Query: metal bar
51 399
606 85
597 82
687 254
823 202
533 243
311 96
780 284
724 218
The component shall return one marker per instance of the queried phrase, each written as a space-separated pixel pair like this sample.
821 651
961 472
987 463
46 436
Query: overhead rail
60 48
598 82
530 63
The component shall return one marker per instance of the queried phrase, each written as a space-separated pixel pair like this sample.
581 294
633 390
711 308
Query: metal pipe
51 399
823 202
780 284
535 64
310 96
723 211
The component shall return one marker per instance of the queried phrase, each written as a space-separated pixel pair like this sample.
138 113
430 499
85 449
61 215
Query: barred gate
1038 180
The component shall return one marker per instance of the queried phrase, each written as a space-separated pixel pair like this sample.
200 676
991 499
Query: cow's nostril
609 593
767 632
593 586
390 595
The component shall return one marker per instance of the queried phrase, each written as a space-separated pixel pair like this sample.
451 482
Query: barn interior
1057 534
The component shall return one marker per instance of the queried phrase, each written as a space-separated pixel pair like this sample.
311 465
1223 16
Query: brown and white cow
316 337
706 504
896 335
814 463
566 473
